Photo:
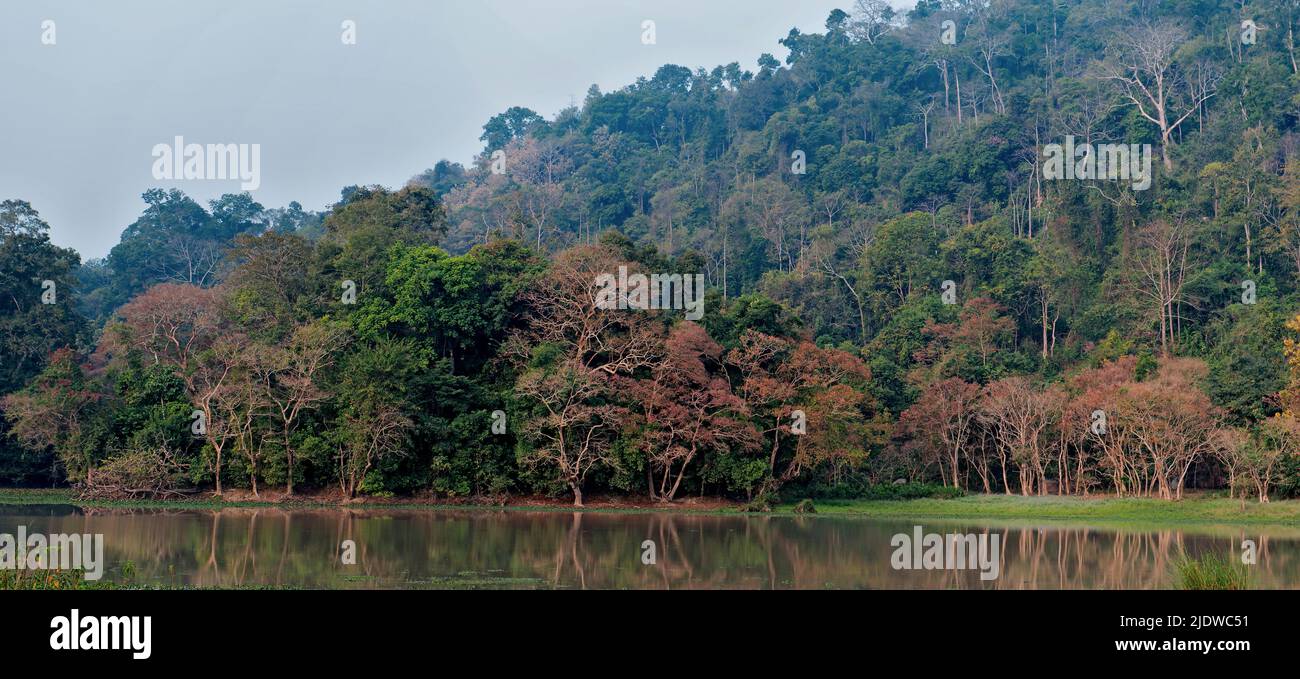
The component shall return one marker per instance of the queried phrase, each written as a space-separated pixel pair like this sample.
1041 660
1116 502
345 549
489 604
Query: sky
79 118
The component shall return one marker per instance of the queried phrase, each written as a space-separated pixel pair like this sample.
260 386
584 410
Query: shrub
140 473
1210 572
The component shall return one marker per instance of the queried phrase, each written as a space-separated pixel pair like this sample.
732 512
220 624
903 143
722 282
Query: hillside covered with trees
897 288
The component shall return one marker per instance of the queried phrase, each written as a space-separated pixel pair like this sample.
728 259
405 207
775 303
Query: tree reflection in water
243 547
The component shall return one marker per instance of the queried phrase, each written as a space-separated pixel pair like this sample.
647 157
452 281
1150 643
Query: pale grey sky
79 118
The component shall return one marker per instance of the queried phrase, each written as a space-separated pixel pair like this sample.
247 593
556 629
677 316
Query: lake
248 547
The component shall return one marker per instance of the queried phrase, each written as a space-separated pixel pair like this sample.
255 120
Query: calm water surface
519 549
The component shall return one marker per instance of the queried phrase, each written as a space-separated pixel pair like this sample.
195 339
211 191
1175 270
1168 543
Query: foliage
1211 571
894 289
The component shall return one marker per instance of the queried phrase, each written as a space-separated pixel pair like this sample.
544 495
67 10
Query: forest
900 295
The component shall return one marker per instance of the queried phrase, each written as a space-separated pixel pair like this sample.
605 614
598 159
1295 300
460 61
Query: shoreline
1200 509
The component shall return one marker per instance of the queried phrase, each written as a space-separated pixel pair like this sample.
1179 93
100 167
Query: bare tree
1162 269
944 418
939 56
196 263
563 310
872 19
169 323
989 44
1170 424
1018 415
538 168
776 211
924 109
1142 64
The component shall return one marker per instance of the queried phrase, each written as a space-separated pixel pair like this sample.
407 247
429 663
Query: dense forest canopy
903 283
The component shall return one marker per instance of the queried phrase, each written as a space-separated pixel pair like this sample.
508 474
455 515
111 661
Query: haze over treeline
899 286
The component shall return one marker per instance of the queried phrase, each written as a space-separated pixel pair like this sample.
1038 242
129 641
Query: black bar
1043 630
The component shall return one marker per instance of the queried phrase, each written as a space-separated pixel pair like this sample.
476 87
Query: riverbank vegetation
1072 508
1200 509
1210 572
895 294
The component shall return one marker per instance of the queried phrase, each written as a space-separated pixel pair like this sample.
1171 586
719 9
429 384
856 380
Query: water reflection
246 547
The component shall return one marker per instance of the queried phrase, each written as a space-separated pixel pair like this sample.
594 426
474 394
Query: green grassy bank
1200 509
1219 510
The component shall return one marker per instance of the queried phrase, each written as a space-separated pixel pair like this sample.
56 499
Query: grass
63 496
1194 509
1216 510
48 579
74 580
1211 571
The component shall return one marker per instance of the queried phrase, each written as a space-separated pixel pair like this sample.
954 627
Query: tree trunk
957 77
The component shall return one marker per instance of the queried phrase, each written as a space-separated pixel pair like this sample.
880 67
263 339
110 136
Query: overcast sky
79 119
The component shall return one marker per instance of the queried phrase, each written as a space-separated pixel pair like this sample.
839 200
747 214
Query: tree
794 385
366 224
179 327
1090 420
568 351
213 384
1280 439
269 281
31 328
537 169
57 412
871 19
575 427
839 266
563 309
901 258
369 433
1054 274
1019 415
170 323
1142 64
967 346
1160 270
945 419
516 123
1253 458
1170 425
690 410
240 404
776 214
290 379
988 43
